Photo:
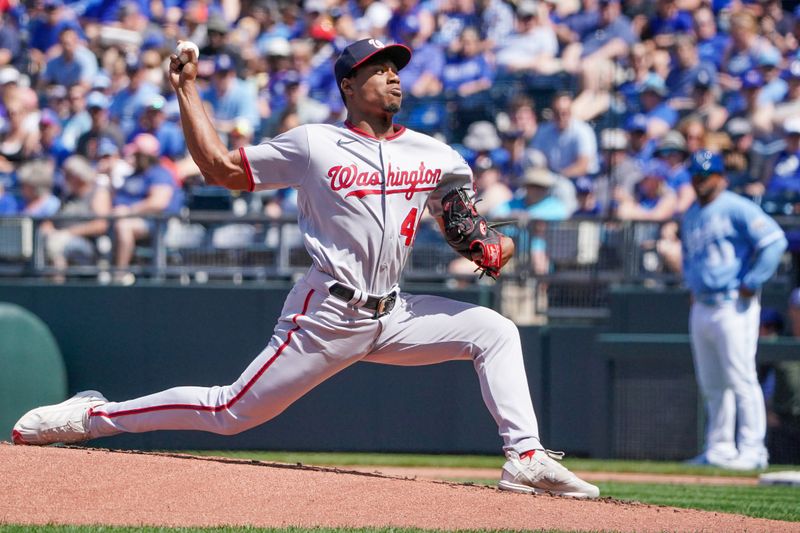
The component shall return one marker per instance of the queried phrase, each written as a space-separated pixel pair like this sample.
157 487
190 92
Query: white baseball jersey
360 199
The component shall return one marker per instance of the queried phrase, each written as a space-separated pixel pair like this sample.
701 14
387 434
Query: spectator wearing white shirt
534 46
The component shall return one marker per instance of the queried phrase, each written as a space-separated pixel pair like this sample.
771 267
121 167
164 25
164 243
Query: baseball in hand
183 51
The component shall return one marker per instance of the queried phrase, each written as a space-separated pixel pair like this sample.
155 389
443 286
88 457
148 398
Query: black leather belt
381 306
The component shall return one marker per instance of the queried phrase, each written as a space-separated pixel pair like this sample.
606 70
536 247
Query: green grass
479 461
773 502
109 529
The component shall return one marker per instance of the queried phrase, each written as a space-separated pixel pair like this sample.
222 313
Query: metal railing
583 258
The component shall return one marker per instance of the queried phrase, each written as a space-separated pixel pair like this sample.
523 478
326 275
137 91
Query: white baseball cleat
746 462
65 422
537 471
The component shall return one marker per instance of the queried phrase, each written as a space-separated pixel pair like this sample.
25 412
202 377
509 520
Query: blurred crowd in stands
563 108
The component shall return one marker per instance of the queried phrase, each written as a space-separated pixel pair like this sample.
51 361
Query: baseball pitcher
730 248
362 188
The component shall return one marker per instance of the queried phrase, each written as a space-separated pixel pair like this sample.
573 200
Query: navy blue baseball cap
637 122
705 163
752 79
359 52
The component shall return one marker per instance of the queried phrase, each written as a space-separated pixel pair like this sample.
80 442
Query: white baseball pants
318 335
724 343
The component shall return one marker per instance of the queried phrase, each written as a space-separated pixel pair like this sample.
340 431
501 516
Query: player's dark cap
705 163
752 79
359 52
637 122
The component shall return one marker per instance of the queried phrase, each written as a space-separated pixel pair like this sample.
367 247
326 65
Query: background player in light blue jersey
730 248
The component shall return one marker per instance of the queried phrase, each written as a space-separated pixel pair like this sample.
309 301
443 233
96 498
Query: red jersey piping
400 129
251 183
232 402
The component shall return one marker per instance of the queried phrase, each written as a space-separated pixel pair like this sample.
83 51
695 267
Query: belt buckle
385 305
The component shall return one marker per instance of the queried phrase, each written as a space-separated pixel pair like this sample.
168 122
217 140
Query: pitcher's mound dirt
89 486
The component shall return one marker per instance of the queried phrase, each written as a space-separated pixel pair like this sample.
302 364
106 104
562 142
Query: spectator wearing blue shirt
217 44
672 150
711 44
783 187
35 180
618 168
569 144
704 103
652 199
775 87
423 107
466 70
661 117
278 54
45 28
534 199
101 127
51 148
745 47
588 206
109 11
50 145
747 101
612 36
640 62
126 103
593 59
520 131
497 21
453 20
640 145
687 66
150 190
8 204
466 79
791 102
230 97
79 120
270 26
11 51
668 22
76 64
576 26
535 202
153 120
422 77
747 172
411 23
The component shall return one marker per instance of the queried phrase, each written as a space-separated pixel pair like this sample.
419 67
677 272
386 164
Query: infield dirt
64 485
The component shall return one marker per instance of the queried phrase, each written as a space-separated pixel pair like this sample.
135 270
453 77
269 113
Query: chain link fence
561 270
